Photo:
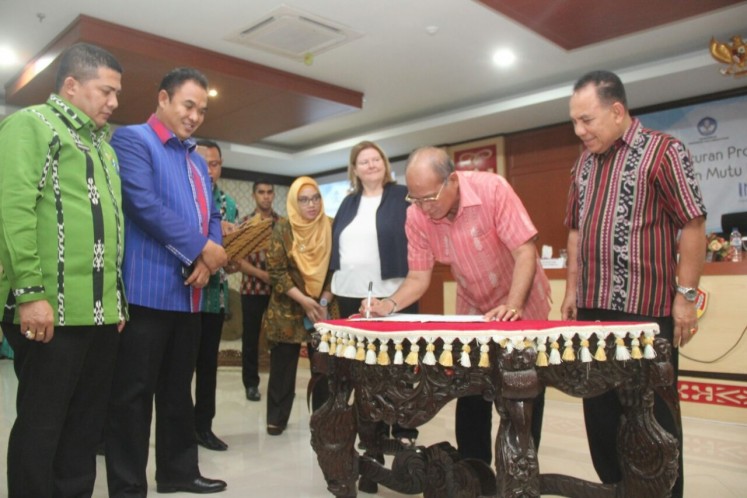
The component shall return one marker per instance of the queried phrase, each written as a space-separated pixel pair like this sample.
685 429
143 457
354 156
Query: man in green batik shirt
214 309
61 244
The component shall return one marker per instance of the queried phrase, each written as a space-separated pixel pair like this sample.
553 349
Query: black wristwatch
690 293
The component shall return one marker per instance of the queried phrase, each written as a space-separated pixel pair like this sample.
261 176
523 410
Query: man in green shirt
61 244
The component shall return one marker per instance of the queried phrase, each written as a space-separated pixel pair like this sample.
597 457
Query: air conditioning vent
295 34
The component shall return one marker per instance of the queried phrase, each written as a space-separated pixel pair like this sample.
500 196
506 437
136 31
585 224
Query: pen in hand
368 300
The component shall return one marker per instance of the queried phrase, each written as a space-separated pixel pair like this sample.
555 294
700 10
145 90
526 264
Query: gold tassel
384 354
568 354
332 344
541 356
601 354
446 359
412 356
323 344
635 350
484 360
360 353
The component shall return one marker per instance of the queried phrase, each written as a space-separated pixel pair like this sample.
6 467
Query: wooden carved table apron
405 372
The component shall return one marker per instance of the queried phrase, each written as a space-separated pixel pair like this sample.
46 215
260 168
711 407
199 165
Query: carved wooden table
405 372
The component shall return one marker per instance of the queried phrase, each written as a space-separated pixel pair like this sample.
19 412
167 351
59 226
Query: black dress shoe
252 394
274 430
199 485
207 439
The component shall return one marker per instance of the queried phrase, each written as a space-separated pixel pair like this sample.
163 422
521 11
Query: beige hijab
312 240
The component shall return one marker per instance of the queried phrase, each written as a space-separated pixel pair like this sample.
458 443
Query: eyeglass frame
306 201
428 198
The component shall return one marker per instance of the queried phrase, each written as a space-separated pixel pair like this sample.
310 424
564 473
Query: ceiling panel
574 24
253 102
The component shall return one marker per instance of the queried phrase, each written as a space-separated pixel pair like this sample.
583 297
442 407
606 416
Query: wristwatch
690 293
323 302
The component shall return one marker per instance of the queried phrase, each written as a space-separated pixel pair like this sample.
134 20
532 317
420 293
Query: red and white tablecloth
372 340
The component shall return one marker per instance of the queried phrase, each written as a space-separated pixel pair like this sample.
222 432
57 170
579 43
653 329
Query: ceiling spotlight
8 56
504 58
212 92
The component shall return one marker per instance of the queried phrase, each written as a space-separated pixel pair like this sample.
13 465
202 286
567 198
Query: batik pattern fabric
215 293
629 205
251 285
61 222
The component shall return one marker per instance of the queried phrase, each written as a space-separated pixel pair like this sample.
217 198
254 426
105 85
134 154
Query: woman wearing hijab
298 262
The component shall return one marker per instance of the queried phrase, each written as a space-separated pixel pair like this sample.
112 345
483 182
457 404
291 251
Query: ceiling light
504 57
212 92
8 56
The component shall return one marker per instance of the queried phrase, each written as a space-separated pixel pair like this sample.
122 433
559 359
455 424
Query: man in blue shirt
173 234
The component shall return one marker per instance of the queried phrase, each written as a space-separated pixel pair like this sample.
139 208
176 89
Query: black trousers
602 413
206 369
252 310
281 386
350 306
61 405
474 422
156 359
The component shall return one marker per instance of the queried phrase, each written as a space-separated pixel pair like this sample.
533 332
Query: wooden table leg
333 432
517 469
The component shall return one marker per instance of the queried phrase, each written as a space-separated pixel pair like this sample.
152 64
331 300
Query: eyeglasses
428 198
305 201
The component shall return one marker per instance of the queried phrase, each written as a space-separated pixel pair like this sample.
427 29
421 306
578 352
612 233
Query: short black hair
609 87
177 77
210 144
82 61
262 181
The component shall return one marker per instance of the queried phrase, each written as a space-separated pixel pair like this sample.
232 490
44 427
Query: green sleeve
26 145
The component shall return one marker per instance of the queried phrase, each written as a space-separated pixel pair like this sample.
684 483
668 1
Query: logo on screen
707 126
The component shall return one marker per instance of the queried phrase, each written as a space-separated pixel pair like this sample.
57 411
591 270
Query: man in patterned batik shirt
255 292
214 309
61 246
633 191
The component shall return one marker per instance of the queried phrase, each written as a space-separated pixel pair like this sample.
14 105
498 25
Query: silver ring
29 334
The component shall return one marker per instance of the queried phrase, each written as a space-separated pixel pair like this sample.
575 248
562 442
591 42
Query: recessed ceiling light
504 57
8 56
212 92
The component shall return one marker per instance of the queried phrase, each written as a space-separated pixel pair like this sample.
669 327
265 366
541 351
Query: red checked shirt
628 206
490 223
